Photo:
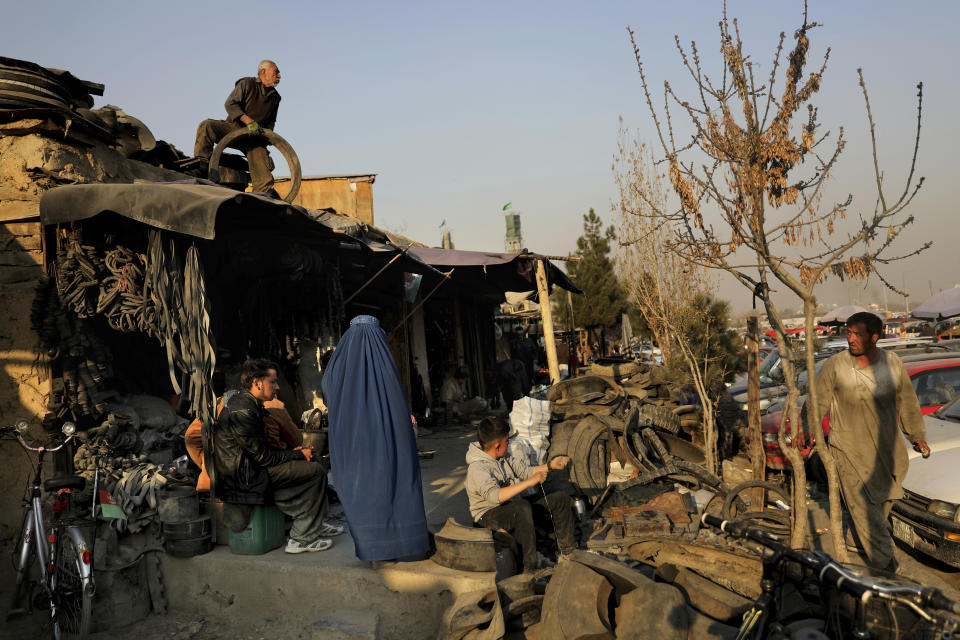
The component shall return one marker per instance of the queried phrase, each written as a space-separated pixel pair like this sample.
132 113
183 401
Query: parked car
935 378
928 516
648 354
773 389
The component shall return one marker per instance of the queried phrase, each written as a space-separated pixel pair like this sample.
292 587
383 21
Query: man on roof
253 104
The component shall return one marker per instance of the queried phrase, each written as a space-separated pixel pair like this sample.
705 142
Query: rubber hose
213 171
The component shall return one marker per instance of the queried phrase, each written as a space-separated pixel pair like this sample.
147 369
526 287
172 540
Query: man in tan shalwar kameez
870 399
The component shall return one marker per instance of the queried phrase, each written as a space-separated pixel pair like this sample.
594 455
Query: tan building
348 194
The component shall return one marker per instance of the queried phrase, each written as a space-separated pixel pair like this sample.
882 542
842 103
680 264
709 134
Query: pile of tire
27 85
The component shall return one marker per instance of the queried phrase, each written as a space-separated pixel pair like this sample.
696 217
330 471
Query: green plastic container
264 533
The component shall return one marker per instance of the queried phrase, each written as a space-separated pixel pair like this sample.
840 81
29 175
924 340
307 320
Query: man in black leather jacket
250 472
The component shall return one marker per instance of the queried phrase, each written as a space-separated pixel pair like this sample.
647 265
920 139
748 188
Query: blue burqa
373 449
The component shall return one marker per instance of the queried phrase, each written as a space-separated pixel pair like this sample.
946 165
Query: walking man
870 399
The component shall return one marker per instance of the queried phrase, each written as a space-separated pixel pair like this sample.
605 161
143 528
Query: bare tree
758 160
663 286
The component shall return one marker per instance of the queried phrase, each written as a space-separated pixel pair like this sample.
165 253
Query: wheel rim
72 603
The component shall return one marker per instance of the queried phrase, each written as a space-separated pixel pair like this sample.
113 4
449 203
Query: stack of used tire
185 532
629 413
27 85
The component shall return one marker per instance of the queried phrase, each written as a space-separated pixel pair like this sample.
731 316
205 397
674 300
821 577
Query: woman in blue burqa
373 448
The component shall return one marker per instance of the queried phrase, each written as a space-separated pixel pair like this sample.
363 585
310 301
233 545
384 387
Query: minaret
514 240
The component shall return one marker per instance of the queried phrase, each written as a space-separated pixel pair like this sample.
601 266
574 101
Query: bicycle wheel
74 603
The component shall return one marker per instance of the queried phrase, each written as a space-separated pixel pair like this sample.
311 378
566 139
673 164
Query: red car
935 378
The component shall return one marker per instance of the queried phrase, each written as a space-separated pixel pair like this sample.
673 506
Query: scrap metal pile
626 414
589 596
649 570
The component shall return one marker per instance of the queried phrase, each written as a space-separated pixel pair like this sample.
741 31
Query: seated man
250 472
282 433
453 395
498 485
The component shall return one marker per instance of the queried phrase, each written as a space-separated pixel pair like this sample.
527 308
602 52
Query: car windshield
772 358
951 411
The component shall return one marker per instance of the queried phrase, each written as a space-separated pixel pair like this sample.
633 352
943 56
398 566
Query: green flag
507 206
444 223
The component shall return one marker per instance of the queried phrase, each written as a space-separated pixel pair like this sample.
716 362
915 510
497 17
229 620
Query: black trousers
516 517
300 491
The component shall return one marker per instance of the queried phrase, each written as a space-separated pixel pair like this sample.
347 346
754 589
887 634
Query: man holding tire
253 104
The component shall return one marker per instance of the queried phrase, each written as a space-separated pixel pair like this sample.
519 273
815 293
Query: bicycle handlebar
23 443
833 573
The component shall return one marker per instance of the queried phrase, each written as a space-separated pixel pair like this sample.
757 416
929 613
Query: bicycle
807 594
64 558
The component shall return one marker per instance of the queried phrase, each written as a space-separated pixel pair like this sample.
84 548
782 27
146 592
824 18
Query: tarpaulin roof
192 207
188 207
516 272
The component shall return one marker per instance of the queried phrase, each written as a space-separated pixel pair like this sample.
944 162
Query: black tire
38 86
296 175
74 603
22 99
734 508
589 449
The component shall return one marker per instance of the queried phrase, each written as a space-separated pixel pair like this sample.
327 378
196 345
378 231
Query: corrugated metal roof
332 176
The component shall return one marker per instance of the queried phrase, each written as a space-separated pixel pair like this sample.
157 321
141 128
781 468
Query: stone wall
31 164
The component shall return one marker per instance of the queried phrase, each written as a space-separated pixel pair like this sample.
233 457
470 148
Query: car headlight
943 509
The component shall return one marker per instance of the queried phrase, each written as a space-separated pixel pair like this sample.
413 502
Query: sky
460 108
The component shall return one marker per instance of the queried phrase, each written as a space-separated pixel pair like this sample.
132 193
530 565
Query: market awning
509 271
189 207
193 207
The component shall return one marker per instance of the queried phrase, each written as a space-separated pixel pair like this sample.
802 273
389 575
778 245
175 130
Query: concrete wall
350 195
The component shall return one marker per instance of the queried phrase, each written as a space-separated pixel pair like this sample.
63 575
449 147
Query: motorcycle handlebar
832 572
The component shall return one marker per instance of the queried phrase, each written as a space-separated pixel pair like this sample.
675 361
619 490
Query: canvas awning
194 208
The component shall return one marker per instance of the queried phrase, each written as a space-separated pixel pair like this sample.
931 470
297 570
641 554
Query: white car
928 516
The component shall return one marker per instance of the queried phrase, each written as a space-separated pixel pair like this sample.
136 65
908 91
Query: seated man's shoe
329 528
320 544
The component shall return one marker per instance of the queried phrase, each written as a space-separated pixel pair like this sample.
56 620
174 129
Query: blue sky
461 107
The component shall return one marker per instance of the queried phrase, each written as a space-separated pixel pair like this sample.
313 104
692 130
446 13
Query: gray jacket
486 476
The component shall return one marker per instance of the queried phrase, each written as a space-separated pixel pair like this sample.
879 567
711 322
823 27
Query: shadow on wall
25 377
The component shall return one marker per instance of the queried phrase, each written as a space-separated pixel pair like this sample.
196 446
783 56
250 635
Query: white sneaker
330 528
320 544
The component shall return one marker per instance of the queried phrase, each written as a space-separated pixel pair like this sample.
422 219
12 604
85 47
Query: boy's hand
539 474
560 462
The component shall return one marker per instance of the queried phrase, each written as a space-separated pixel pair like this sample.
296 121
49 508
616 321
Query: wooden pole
758 457
549 342
574 339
